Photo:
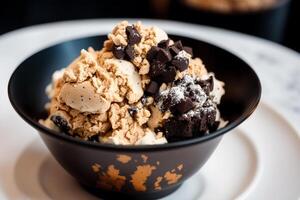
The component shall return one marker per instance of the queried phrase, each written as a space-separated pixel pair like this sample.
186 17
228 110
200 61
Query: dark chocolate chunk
215 126
164 44
129 52
210 115
61 123
132 111
184 106
156 69
207 85
152 87
174 50
166 103
189 50
133 35
163 56
178 128
184 124
180 63
206 119
178 45
119 51
168 75
152 53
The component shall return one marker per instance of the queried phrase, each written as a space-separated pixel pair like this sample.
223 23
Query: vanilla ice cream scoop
126 70
82 97
160 34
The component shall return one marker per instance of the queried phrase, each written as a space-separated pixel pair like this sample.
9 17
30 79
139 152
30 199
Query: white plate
259 160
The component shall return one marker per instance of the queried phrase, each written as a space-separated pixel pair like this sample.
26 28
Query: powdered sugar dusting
182 89
183 54
177 93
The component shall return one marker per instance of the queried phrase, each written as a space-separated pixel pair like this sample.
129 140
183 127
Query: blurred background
275 20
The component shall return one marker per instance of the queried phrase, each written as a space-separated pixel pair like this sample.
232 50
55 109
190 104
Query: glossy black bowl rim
155 147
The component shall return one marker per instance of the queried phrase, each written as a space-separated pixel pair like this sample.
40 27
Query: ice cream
138 89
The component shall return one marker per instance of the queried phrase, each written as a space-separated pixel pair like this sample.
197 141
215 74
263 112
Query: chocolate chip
152 87
189 50
178 45
184 106
174 50
61 123
133 35
180 63
132 111
129 52
164 44
152 53
119 51
163 56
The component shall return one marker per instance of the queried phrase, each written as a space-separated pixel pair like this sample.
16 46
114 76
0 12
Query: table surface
277 67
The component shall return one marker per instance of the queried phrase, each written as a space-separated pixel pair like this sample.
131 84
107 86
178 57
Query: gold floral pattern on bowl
111 178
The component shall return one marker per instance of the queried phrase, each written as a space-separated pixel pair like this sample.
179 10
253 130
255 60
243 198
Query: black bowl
268 23
131 171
